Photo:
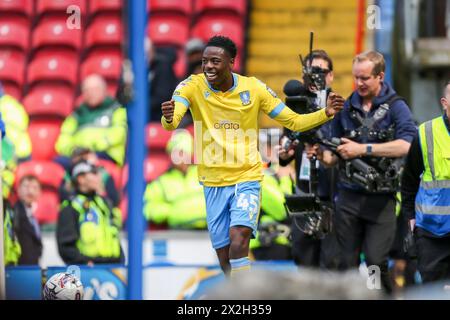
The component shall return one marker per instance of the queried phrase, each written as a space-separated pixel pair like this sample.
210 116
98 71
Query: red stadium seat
12 88
112 87
156 136
12 68
78 101
50 174
155 165
100 6
49 101
54 65
170 6
225 25
236 6
59 6
180 65
124 178
123 206
166 30
43 135
238 63
52 31
105 30
107 63
113 169
24 7
14 32
47 207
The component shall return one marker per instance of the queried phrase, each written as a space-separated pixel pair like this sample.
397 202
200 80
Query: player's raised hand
168 109
335 103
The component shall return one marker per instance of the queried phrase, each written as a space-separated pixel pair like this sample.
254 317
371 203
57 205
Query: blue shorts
226 207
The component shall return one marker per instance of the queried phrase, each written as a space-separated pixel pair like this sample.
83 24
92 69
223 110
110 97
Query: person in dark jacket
365 219
308 251
27 228
161 77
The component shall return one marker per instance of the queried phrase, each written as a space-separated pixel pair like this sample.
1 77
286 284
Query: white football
63 286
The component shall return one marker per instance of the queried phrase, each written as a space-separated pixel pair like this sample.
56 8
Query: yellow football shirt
226 126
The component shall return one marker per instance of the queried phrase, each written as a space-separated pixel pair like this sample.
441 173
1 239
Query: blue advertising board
23 283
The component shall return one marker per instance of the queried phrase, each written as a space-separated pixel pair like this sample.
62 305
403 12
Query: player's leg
244 211
224 259
240 240
218 220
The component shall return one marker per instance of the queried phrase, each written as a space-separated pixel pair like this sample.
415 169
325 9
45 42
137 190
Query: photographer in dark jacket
306 249
375 125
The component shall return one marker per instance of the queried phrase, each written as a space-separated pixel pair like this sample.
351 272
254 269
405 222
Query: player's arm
281 113
174 110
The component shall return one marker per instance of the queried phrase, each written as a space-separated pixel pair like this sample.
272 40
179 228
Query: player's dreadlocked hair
223 42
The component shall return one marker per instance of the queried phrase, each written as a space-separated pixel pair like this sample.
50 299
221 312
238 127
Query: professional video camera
379 175
306 97
311 215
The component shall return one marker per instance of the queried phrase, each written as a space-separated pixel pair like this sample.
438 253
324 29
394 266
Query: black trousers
433 256
308 251
366 223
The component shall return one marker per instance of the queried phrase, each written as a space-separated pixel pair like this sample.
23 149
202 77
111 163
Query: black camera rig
375 174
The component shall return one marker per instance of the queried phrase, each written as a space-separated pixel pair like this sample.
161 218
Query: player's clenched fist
168 109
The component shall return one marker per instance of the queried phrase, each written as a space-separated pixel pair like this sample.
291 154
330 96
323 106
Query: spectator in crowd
11 245
162 78
27 228
107 188
16 120
88 227
176 197
194 52
10 163
99 123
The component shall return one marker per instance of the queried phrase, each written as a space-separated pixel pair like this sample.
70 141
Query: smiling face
217 65
367 84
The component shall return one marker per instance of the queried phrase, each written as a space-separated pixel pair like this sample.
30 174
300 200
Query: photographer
307 250
375 125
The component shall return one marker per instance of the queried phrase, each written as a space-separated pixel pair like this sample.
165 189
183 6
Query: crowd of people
94 133
375 126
